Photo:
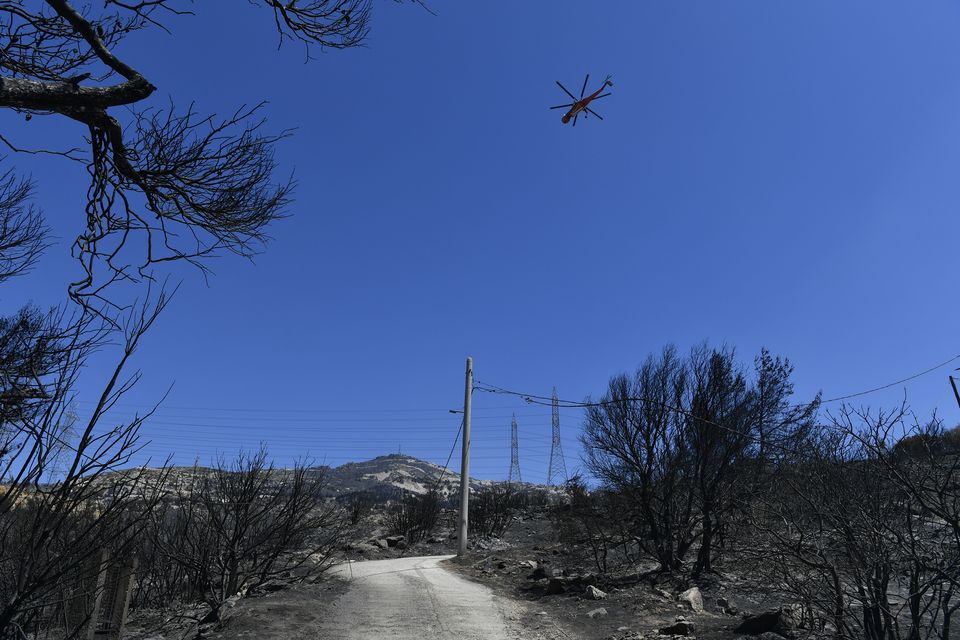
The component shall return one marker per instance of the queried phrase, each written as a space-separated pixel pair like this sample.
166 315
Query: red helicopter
581 105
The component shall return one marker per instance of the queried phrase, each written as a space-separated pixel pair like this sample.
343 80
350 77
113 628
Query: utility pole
514 453
465 464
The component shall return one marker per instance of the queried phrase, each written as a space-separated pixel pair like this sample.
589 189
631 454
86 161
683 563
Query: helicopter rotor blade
593 112
563 106
604 95
575 118
572 97
584 86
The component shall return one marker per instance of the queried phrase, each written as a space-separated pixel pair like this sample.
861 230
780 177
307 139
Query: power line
260 410
452 449
893 384
531 398
535 399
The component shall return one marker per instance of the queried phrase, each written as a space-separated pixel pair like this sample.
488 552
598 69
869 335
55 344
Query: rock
663 593
693 599
538 574
393 541
791 617
587 578
727 607
682 628
382 544
779 621
532 564
270 587
401 544
501 565
596 613
554 587
592 593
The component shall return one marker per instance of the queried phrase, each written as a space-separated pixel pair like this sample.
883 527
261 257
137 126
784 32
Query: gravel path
416 599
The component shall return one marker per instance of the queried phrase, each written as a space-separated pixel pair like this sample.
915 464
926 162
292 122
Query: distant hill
388 475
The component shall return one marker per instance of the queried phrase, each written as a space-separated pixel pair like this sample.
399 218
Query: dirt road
415 599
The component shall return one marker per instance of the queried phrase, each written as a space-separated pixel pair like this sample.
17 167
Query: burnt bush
414 515
595 526
492 510
233 528
358 505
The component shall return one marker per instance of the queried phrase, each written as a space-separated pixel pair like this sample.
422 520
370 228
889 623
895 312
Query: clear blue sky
768 173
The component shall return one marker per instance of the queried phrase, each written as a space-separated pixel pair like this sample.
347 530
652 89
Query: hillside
389 474
384 476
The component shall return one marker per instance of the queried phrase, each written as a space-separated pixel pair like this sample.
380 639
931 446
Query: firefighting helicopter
582 105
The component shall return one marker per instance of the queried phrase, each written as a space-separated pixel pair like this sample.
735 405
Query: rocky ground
563 592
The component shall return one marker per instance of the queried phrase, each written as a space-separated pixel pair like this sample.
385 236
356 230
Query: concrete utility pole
465 464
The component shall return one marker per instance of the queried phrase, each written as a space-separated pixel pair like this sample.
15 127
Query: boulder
693 599
681 628
394 541
554 587
381 543
588 578
727 607
779 621
596 613
592 593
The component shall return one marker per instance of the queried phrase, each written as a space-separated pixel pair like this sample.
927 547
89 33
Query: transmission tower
557 465
514 453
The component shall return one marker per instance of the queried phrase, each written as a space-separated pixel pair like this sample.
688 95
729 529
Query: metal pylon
557 465
514 453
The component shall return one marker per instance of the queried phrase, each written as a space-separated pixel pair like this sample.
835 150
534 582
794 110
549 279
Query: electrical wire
893 384
450 456
535 399
570 404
